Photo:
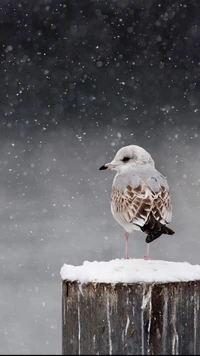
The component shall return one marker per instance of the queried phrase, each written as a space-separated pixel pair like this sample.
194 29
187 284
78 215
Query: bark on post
131 319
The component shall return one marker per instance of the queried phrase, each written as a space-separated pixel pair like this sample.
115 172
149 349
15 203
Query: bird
140 197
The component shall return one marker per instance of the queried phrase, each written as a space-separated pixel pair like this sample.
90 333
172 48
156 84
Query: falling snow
78 81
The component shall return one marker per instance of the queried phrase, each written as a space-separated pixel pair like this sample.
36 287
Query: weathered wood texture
131 319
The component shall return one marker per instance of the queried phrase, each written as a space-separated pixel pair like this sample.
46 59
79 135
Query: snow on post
131 307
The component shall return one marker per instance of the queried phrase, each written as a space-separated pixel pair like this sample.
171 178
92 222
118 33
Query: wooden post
131 319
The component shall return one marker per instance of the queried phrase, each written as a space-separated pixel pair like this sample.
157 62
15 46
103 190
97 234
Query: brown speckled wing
162 208
133 205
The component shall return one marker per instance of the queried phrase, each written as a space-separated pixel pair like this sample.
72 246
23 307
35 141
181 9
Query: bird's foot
146 257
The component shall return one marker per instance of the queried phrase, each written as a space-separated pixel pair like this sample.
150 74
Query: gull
140 198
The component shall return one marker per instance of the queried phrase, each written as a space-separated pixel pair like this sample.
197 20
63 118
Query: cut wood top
131 271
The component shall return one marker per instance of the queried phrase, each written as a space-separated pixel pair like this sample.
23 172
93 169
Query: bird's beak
107 166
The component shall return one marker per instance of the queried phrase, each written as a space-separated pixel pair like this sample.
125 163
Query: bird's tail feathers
154 229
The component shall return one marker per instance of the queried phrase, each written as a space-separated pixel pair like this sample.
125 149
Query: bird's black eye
125 159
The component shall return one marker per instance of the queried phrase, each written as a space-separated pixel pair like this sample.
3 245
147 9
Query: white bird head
129 156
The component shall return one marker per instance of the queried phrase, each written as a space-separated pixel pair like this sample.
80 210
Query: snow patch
131 271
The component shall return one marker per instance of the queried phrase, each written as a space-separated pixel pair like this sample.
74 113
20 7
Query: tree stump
140 318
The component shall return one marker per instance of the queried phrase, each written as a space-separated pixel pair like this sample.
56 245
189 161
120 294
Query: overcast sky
79 80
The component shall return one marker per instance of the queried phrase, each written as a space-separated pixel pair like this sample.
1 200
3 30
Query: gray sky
78 83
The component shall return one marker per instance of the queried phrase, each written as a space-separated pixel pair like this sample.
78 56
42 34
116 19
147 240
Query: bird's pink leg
146 257
126 237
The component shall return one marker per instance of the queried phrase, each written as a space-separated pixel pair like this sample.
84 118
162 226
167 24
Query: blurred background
79 79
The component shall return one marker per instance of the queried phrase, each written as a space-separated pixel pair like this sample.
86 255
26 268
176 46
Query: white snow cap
131 271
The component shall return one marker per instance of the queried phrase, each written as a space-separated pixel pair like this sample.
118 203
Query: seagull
140 198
